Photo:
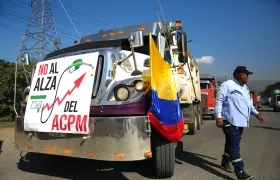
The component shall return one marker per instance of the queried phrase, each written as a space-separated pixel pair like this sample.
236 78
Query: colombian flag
165 111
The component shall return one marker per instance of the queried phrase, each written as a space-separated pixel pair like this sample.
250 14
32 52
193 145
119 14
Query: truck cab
275 100
92 100
208 88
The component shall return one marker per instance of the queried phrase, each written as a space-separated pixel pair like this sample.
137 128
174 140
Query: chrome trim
108 135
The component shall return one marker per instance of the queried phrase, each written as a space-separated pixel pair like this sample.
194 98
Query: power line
70 19
161 10
58 18
62 31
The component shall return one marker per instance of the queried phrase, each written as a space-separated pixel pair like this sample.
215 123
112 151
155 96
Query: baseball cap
242 69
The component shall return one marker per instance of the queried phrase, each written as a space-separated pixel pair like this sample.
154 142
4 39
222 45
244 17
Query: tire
200 116
163 155
198 121
213 117
193 126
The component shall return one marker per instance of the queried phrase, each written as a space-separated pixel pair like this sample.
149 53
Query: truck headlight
139 86
121 93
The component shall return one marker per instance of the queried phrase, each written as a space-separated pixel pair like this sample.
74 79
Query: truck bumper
110 139
208 111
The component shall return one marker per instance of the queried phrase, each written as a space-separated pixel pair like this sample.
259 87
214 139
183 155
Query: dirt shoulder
6 125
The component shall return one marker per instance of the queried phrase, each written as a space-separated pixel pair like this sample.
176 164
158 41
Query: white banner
60 95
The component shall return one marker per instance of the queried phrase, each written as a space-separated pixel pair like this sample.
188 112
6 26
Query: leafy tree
219 83
7 74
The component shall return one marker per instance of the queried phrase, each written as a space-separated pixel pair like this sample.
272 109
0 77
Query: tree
219 83
7 85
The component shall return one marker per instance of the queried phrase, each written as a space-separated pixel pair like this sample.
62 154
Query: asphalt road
200 160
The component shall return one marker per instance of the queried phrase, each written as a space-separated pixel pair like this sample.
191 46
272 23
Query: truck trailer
91 100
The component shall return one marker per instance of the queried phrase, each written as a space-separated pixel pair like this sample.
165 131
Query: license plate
58 135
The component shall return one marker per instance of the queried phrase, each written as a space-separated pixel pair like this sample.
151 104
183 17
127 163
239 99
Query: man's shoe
243 175
227 167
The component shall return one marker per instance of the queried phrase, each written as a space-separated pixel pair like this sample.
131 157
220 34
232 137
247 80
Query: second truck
208 88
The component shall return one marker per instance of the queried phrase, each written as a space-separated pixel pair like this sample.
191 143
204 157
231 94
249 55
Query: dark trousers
232 146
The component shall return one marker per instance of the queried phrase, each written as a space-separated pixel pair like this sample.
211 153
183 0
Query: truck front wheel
163 155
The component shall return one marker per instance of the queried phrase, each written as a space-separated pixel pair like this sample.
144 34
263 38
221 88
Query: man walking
233 108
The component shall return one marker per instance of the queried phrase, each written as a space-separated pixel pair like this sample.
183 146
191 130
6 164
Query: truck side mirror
181 42
136 39
185 46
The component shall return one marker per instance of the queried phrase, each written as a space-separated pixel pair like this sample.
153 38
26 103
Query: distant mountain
259 85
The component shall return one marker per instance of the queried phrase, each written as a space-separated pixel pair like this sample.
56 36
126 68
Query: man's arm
220 98
253 109
256 113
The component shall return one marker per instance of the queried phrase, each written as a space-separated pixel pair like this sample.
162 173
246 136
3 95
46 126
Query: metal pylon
40 36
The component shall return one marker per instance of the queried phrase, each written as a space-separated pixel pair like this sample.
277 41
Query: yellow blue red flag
165 112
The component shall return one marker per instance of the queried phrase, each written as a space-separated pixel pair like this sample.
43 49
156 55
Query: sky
225 34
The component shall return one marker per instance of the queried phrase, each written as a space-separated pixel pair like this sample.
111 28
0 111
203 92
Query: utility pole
40 36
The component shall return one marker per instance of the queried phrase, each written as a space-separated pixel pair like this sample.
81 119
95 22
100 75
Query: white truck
275 99
90 100
188 85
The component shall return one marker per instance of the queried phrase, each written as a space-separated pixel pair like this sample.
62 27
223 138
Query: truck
208 89
191 101
266 101
275 99
103 112
255 99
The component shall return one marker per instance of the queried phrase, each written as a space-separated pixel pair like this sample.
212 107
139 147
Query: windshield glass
204 86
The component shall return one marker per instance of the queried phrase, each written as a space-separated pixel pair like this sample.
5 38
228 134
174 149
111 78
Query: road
260 149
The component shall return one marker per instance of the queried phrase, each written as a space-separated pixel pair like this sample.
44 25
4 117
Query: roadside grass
7 124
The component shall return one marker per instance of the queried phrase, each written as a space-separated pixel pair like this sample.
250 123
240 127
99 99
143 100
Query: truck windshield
204 86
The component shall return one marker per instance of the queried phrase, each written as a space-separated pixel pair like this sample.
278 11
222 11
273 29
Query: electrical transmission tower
40 36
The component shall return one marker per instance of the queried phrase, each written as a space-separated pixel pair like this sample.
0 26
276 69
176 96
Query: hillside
257 85
260 85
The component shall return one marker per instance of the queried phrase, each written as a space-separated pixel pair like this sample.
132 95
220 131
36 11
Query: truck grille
204 100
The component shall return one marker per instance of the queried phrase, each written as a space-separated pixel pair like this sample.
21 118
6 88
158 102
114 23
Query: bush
6 119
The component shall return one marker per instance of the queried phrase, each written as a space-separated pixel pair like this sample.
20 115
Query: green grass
7 124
